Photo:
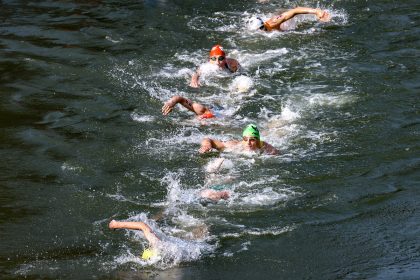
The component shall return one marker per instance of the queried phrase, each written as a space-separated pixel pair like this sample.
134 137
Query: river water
83 141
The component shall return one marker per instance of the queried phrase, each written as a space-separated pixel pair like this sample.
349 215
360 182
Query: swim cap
148 254
251 130
255 23
217 50
208 115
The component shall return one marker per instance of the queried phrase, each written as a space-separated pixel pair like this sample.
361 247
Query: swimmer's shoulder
268 148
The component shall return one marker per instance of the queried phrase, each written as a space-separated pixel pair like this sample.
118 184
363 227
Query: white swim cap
255 23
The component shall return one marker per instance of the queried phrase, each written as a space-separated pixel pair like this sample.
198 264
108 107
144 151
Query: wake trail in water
283 113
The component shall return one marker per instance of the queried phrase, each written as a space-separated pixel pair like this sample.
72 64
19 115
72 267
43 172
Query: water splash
171 250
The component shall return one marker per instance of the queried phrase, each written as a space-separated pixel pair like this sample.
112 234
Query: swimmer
147 231
250 142
279 22
201 111
214 194
197 233
217 57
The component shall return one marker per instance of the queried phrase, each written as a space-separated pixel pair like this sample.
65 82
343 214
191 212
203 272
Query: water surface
83 141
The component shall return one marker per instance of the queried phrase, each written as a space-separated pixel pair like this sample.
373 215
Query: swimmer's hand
112 225
205 146
194 84
204 149
195 80
323 15
233 64
168 107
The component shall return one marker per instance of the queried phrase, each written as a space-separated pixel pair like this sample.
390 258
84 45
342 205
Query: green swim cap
251 130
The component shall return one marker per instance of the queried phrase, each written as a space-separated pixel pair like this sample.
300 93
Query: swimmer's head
217 50
251 130
255 23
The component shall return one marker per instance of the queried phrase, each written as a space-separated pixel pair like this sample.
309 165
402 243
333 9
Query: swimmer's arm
147 231
322 15
195 82
197 108
269 149
233 64
231 143
275 21
207 144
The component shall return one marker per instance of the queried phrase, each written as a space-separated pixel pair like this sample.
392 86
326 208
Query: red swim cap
217 50
208 115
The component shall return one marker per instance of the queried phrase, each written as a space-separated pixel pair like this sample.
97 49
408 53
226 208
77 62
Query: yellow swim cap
148 254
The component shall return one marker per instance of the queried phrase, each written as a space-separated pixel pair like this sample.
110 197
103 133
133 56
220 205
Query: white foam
69 167
241 84
208 69
142 119
338 17
260 232
174 142
169 71
176 194
329 100
265 197
244 246
187 220
219 164
109 38
247 59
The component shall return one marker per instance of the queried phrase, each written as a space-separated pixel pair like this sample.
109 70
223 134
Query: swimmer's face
250 143
218 60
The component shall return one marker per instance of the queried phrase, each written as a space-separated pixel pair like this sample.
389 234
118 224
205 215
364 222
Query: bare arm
207 144
147 231
195 83
274 22
233 64
197 108
301 10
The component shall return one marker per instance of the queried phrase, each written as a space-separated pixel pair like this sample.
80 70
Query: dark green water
83 141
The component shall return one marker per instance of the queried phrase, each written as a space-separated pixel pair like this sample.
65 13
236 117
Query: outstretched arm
147 231
195 83
320 14
197 108
275 21
207 144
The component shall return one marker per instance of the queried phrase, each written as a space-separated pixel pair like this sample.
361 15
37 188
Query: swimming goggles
220 58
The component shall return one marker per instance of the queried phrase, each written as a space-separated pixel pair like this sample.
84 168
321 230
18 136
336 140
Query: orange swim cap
208 115
217 50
